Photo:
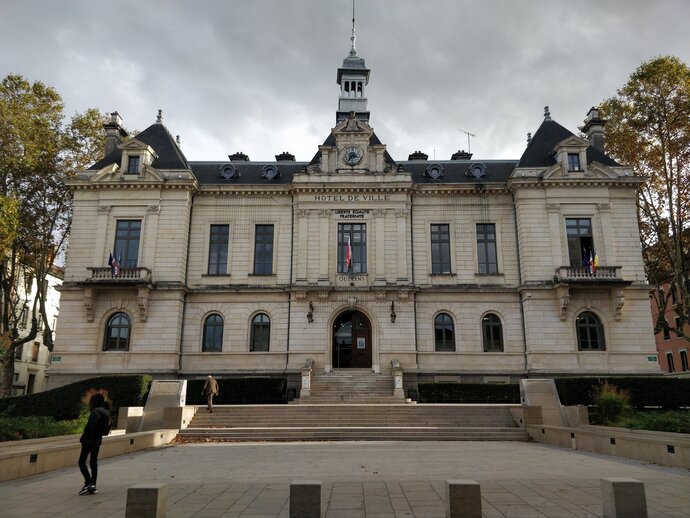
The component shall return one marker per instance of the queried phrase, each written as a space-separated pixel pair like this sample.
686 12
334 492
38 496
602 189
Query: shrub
240 390
17 428
469 393
658 391
669 421
611 403
65 403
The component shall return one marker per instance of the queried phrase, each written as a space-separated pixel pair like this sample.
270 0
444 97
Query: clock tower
353 77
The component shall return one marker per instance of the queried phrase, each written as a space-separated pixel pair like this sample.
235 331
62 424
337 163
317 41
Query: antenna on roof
353 51
469 150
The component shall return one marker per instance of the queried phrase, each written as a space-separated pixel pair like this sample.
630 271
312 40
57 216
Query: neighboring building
672 348
32 358
462 269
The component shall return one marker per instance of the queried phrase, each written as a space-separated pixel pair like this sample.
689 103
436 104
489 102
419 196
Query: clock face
352 155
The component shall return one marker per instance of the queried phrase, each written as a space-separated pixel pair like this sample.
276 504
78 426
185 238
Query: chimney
285 157
238 157
114 133
418 155
461 155
594 129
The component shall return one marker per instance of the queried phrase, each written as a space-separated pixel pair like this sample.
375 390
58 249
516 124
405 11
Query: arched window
590 332
261 333
444 334
492 333
213 334
117 333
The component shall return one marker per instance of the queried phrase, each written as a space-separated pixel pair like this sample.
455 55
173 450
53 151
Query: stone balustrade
138 273
578 273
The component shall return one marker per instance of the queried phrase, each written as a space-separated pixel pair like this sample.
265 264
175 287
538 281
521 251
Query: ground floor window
261 333
590 332
492 333
117 333
444 333
213 334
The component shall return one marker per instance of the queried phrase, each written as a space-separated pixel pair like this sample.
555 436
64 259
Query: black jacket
92 431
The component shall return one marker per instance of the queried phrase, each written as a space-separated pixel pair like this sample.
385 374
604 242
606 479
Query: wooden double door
352 341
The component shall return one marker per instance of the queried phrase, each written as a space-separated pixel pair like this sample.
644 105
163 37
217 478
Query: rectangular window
679 331
667 331
127 236
133 165
674 295
263 250
18 352
669 361
684 361
24 317
574 162
218 250
486 248
440 249
580 244
34 353
352 248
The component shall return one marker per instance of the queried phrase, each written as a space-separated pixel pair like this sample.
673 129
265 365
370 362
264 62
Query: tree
649 129
39 150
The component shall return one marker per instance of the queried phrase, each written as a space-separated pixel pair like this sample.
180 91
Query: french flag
114 265
348 255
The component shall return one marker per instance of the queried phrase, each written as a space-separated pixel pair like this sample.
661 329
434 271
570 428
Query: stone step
355 422
356 434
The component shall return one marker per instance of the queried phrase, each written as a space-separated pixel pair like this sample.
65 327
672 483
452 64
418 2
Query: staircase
350 386
355 422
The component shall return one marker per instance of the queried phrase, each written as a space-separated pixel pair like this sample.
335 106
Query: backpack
103 426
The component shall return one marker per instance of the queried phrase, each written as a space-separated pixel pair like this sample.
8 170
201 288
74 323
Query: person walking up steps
96 427
210 389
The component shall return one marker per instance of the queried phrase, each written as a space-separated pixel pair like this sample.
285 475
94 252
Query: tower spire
353 38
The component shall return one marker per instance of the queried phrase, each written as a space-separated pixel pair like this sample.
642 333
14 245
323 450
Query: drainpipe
292 246
522 304
414 285
186 292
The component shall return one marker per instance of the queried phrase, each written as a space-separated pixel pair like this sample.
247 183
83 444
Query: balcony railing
105 273
579 273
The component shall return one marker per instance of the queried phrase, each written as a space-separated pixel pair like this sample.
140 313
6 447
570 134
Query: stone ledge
644 445
19 459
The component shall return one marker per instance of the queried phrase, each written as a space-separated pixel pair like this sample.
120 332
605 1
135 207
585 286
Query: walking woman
96 427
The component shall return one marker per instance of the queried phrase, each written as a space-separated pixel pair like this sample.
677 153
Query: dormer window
574 162
133 165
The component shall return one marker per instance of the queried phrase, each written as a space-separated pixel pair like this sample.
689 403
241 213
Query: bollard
305 499
623 498
463 499
147 501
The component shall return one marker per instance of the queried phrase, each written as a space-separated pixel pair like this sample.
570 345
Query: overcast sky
259 75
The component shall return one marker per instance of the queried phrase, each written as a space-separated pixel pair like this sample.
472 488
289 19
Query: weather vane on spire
353 50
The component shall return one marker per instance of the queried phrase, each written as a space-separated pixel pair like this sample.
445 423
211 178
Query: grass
677 421
34 427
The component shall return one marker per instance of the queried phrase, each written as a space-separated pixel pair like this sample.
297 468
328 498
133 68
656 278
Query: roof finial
529 138
177 140
353 50
159 118
547 113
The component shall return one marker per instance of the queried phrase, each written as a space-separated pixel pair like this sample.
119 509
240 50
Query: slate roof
454 171
250 172
157 136
539 152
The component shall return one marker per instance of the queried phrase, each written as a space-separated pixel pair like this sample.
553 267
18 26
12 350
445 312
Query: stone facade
459 269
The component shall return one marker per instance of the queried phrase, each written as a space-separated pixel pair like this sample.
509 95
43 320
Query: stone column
324 244
402 245
302 249
380 229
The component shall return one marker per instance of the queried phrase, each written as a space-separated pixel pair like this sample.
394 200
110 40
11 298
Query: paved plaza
360 479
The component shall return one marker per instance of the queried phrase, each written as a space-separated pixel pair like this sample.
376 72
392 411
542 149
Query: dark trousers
89 450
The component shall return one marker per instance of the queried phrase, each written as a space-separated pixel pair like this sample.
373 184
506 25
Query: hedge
644 391
64 403
469 393
240 390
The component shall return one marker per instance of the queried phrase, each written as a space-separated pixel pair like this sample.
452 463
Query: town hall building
466 269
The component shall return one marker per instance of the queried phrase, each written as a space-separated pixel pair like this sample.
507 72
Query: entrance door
351 341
